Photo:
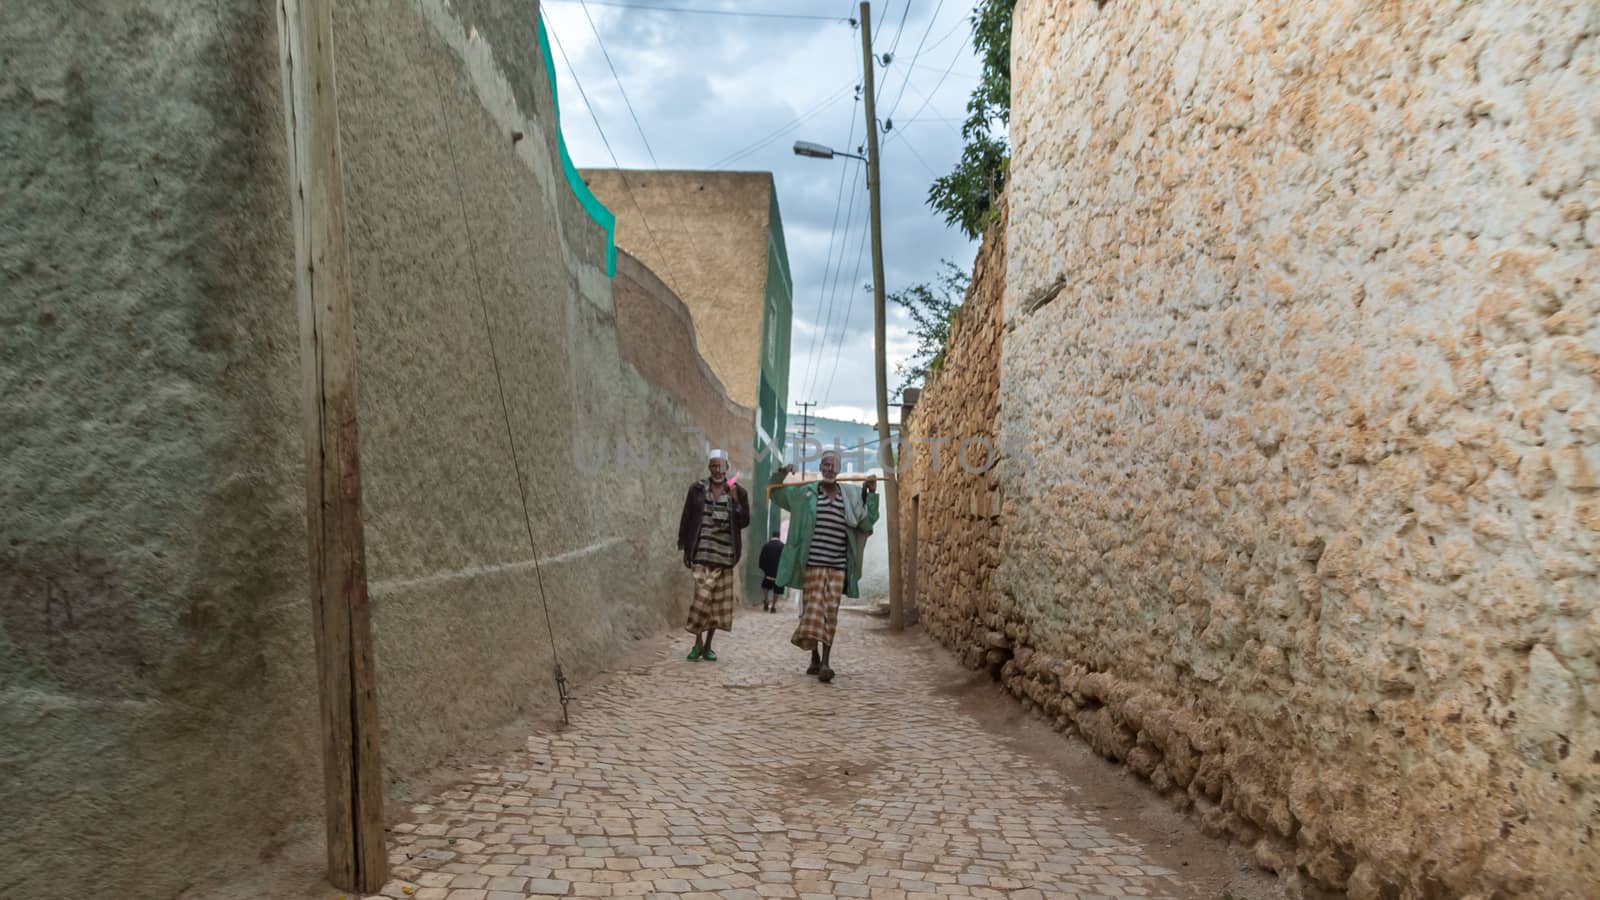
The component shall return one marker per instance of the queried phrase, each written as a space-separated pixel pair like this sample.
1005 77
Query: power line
854 277
936 86
618 79
815 369
819 339
833 232
686 232
907 80
946 36
912 147
900 28
706 12
803 118
927 99
643 219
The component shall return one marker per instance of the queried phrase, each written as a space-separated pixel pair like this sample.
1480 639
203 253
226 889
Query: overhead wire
935 92
817 337
914 56
643 219
815 368
849 307
500 388
618 79
687 233
706 12
822 106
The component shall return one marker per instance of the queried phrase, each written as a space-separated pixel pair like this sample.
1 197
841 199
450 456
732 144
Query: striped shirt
828 548
715 546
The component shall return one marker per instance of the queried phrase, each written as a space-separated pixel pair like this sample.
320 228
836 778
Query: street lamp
891 460
817 151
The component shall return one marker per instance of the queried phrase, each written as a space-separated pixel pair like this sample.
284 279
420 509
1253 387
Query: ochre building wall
1300 390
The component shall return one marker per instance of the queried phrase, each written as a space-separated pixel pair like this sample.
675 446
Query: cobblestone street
745 778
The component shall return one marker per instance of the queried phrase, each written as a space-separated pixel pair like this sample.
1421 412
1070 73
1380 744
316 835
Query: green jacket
860 512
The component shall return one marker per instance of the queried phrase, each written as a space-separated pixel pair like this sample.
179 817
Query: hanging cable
688 233
643 219
854 277
707 12
936 86
618 79
816 110
562 693
889 116
814 369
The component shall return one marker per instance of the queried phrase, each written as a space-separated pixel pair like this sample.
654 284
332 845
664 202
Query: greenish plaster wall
778 317
158 699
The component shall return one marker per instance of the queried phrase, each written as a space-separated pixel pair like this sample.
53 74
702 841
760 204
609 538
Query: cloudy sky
718 91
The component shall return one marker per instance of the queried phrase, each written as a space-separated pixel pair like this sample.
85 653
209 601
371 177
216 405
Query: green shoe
709 656
695 653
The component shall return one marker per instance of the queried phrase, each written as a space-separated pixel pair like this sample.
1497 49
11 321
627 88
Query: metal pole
891 490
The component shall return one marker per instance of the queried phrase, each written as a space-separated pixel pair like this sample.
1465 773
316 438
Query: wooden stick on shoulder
786 484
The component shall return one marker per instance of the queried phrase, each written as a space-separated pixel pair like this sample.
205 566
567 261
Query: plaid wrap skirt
819 607
713 600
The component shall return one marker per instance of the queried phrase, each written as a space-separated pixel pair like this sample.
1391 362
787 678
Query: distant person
772 591
828 524
715 514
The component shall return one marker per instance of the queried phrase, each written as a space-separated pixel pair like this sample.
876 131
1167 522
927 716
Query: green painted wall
773 393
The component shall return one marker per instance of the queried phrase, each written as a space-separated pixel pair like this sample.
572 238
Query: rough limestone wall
157 689
956 497
158 699
1303 358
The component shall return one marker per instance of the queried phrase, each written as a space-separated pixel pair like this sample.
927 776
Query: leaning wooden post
352 773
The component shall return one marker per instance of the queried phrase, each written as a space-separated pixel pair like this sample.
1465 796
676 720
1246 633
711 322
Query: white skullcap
718 454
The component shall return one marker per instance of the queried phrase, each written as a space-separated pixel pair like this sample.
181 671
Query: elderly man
828 524
715 513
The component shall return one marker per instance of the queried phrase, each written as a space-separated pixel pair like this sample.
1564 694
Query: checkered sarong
713 600
819 607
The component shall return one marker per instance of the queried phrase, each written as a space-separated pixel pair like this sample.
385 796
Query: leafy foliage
933 309
967 195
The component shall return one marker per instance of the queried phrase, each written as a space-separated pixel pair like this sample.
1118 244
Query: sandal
826 675
695 653
709 655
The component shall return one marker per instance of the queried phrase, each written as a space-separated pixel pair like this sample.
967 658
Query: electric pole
890 459
805 431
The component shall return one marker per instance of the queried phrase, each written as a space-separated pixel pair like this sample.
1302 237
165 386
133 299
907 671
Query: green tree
967 195
933 309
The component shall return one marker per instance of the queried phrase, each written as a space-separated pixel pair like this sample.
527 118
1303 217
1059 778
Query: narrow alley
1195 408
745 778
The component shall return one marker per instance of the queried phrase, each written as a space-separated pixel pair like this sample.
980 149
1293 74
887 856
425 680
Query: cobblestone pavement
745 778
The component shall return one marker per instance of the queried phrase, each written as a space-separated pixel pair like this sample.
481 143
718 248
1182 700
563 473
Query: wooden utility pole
805 430
341 617
891 490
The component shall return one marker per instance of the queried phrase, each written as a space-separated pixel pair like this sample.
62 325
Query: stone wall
1302 366
951 489
158 698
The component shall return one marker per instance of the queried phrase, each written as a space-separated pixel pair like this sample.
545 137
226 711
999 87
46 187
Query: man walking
829 523
771 590
715 514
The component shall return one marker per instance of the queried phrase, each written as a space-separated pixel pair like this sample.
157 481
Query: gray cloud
705 87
